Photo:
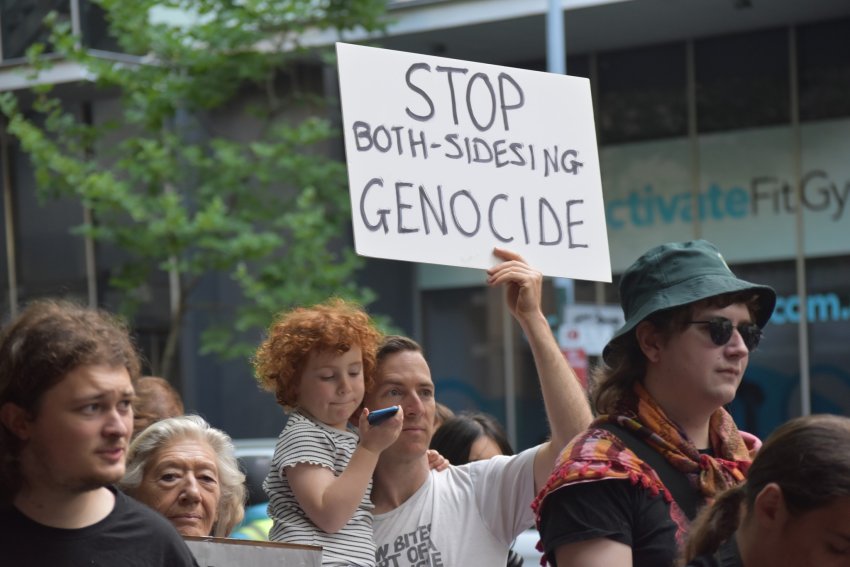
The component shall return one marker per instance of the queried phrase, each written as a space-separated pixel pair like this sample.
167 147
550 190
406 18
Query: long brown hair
808 457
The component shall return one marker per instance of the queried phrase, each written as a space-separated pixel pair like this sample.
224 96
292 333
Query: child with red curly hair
319 361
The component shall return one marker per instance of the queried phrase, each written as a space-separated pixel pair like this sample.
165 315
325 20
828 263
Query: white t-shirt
463 516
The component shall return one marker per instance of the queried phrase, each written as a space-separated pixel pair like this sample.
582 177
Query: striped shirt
304 440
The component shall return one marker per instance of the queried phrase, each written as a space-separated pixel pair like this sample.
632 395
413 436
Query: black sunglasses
720 330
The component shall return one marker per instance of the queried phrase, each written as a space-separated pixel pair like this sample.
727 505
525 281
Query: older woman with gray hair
186 470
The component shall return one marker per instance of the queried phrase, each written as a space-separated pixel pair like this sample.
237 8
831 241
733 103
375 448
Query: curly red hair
335 325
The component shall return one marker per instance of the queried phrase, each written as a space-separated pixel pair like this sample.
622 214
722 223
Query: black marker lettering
361 130
574 165
489 85
543 242
452 139
522 215
571 224
381 212
499 150
420 142
550 158
439 219
420 117
499 197
505 107
449 72
468 195
401 206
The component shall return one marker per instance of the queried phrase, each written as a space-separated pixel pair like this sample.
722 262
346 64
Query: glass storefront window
465 364
828 309
822 54
742 80
769 393
5 176
51 261
642 94
95 29
23 23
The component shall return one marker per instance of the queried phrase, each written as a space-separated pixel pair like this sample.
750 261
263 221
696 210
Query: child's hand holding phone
377 416
380 428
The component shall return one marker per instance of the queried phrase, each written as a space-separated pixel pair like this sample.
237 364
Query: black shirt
130 535
615 509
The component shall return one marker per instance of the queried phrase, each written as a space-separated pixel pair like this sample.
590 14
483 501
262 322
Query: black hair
454 438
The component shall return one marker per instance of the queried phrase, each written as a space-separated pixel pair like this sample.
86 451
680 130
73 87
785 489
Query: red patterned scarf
598 454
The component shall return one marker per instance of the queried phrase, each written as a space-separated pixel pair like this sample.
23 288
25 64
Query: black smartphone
377 416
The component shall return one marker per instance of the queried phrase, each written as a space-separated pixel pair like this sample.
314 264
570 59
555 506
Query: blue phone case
380 415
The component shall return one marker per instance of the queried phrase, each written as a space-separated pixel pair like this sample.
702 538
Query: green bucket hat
679 273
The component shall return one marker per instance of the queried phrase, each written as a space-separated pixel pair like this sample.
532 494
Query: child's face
331 387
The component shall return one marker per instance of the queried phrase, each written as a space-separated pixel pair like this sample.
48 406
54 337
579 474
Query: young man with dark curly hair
66 393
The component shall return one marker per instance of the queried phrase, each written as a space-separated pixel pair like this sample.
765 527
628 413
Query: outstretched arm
567 408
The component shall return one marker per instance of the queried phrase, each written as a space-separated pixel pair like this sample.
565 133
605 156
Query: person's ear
769 507
650 340
16 419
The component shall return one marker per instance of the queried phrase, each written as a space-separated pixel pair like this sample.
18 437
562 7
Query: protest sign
224 552
447 159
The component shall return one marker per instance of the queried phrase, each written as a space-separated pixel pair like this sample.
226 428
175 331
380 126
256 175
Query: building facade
726 120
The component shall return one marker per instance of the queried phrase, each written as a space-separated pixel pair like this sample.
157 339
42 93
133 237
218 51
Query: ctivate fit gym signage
747 203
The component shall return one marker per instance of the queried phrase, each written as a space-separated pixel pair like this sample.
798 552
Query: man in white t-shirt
466 515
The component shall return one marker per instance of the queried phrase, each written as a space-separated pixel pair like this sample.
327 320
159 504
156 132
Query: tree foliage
179 195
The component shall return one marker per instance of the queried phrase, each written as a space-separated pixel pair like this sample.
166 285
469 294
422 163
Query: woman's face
181 482
818 538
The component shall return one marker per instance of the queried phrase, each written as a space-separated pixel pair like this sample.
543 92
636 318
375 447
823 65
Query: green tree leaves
217 160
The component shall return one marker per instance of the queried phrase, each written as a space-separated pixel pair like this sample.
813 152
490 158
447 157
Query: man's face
404 379
78 439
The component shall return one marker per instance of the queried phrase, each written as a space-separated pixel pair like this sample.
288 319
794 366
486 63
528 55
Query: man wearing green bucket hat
662 441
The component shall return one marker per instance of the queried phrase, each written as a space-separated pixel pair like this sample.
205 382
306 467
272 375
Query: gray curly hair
231 505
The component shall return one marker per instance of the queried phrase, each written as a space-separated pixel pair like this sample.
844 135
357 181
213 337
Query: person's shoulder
140 523
296 420
301 423
521 463
12 519
7 510
469 473
127 506
298 426
136 515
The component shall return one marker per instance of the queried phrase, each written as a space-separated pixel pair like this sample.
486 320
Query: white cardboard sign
225 552
448 158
